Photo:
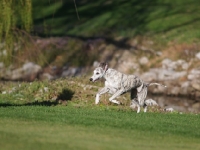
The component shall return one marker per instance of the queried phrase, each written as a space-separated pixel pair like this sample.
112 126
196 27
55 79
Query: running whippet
118 83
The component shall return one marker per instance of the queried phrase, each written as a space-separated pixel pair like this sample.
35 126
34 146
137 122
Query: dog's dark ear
106 66
103 65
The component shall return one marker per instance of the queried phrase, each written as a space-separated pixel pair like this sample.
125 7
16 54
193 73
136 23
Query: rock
3 52
31 67
182 63
28 72
196 106
196 85
126 61
151 102
164 74
184 87
144 60
169 109
95 64
185 66
72 71
174 90
159 53
4 92
174 65
1 65
197 95
46 76
2 70
166 63
198 55
170 75
194 74
149 76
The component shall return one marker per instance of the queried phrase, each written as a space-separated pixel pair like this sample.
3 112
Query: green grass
164 19
66 118
70 127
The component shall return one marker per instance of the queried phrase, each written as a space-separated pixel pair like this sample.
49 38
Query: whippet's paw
116 102
119 103
138 110
96 103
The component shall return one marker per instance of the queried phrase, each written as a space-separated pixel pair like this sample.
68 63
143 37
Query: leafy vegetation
13 15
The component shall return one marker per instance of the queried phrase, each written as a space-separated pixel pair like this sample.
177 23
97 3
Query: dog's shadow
62 98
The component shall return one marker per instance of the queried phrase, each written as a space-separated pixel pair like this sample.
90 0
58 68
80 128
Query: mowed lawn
95 127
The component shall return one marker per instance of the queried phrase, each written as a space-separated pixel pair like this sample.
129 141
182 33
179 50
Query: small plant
13 14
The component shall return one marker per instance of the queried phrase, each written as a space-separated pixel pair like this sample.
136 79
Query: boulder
151 102
1 65
194 74
149 76
160 74
144 60
174 65
169 109
28 72
174 90
197 55
196 85
71 71
184 87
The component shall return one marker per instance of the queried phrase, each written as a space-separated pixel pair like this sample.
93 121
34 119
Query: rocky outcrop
31 71
176 76
28 72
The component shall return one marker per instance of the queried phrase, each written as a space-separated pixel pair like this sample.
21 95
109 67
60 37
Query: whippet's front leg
102 91
118 93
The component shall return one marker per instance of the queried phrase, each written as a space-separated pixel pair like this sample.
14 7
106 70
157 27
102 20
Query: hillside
165 20
157 40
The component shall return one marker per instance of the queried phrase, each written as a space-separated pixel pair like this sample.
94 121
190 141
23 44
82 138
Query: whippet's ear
104 66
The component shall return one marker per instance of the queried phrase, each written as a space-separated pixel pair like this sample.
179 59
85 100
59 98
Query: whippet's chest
113 83
113 78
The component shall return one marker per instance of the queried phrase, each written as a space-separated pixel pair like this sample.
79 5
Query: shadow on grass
107 17
62 98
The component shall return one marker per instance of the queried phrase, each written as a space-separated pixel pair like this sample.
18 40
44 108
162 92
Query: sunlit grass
71 127
61 114
178 20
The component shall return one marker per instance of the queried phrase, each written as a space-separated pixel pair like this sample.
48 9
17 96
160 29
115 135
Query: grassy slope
32 118
168 26
163 18
124 24
38 127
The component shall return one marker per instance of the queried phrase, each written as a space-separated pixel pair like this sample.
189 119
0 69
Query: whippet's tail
150 84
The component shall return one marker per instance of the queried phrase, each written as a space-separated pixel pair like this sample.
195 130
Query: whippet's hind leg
134 99
145 107
118 93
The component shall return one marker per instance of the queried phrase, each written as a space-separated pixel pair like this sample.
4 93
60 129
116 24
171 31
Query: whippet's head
99 72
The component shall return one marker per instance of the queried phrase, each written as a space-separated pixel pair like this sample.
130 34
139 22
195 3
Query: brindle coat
118 83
